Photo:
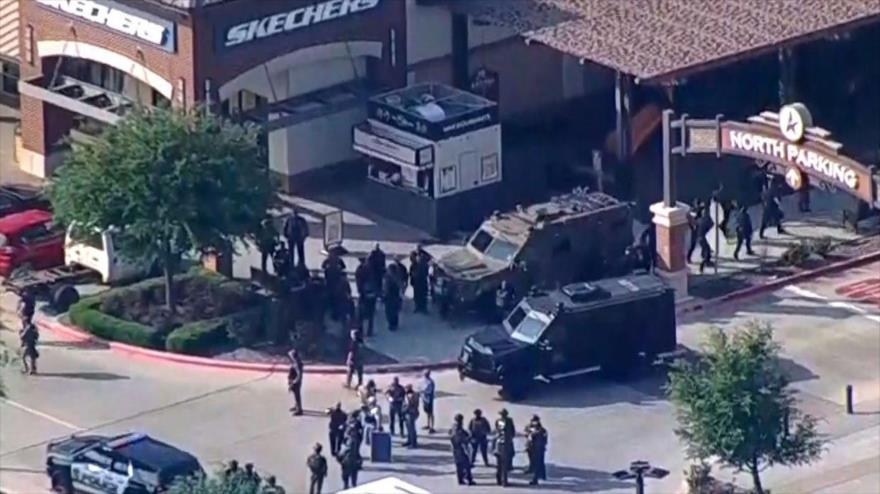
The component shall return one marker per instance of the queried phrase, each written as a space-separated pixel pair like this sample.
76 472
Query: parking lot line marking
38 413
836 304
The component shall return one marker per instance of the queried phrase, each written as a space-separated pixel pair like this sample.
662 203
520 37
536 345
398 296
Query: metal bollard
849 399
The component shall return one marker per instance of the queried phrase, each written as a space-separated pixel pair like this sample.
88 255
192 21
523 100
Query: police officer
376 261
354 360
418 275
509 431
536 447
272 486
29 354
771 214
461 442
336 432
804 194
334 277
704 226
296 231
281 263
744 231
351 462
27 305
232 472
294 381
392 300
367 294
354 430
396 394
267 241
411 415
505 299
648 242
502 448
693 223
479 429
318 467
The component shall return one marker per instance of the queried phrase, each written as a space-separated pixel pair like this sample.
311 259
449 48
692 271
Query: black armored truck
616 325
576 236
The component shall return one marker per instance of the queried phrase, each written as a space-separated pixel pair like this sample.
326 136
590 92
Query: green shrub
822 246
796 254
86 314
199 337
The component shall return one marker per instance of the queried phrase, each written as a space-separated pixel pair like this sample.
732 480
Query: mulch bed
716 287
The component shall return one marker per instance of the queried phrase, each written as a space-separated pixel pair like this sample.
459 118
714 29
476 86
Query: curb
78 335
74 333
779 283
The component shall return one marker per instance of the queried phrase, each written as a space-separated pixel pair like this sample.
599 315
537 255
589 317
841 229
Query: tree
169 182
735 403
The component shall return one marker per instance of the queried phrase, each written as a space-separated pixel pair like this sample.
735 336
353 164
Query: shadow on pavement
89 376
594 389
77 345
574 479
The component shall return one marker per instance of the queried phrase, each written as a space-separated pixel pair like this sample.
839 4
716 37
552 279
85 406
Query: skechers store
301 70
434 156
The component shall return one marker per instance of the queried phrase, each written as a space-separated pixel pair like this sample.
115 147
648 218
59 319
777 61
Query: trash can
380 447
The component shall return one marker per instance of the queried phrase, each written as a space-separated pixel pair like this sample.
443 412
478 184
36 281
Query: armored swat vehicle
575 237
615 324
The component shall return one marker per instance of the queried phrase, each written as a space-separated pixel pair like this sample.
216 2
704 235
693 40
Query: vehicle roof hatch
584 292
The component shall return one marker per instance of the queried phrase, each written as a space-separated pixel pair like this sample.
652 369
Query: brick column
672 229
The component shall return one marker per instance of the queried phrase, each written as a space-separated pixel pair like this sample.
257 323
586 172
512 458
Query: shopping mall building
311 73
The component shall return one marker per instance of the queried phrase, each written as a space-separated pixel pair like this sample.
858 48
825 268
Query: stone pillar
672 229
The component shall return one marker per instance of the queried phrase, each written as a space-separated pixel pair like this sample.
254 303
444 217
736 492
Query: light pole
638 470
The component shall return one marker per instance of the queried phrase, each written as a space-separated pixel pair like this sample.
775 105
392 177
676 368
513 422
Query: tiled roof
654 39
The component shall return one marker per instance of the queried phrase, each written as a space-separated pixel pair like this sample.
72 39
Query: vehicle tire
515 389
61 482
63 296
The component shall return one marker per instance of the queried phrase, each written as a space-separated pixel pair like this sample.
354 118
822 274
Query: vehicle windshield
494 247
525 324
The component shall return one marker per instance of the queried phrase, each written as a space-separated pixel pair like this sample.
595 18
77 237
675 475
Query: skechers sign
292 20
119 18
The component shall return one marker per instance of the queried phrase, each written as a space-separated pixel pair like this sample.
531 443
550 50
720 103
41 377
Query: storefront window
9 73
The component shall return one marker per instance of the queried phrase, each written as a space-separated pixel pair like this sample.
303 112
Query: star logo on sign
793 120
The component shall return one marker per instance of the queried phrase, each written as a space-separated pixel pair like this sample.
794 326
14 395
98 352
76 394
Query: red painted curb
781 282
76 334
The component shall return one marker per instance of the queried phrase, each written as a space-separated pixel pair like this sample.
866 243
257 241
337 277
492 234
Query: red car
30 240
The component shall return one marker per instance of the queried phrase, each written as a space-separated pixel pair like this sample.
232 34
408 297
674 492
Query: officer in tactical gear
318 468
272 487
351 462
509 433
396 394
505 299
355 360
693 221
418 275
502 448
334 277
29 354
367 295
250 475
411 415
704 226
744 231
232 472
296 231
27 305
479 429
294 381
376 262
536 447
392 300
336 432
267 241
771 214
461 443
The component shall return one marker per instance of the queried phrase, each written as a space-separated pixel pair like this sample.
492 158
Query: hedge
85 314
198 338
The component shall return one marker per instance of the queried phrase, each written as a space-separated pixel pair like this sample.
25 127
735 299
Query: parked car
612 325
97 251
15 198
126 464
30 240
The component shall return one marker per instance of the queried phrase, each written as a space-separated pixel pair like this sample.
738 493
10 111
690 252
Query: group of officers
477 436
376 277
28 334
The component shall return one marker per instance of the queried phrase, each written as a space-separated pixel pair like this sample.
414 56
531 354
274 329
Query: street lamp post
638 470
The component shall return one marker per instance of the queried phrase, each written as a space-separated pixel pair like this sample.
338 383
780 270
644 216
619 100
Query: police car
125 464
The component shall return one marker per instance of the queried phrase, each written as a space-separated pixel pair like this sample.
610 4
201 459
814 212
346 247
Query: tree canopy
170 182
735 403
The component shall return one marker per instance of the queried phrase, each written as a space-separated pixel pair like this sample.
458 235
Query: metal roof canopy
659 40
